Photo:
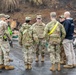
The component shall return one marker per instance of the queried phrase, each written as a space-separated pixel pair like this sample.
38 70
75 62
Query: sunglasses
38 18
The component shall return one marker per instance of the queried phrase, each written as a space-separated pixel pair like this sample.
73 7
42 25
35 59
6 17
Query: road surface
38 68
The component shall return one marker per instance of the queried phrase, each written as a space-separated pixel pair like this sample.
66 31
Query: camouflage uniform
62 53
4 46
26 40
39 29
54 40
9 30
27 50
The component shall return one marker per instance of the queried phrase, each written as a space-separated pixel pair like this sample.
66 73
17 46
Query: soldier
52 32
62 19
26 39
38 27
8 34
4 45
8 20
62 53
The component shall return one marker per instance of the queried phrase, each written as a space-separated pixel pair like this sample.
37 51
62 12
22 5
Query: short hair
53 14
67 12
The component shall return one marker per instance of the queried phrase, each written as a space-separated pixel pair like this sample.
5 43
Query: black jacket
69 28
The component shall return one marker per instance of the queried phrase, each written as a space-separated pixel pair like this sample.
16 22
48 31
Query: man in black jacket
68 41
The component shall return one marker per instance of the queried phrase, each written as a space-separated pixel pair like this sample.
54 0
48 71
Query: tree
36 2
10 5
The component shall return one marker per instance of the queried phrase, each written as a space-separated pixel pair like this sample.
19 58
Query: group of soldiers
56 37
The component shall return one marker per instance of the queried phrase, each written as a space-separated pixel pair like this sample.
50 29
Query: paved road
38 68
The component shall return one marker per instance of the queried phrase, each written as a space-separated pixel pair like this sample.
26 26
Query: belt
41 38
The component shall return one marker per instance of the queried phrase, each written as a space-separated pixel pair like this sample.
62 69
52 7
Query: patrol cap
53 14
7 16
39 16
2 15
27 18
61 16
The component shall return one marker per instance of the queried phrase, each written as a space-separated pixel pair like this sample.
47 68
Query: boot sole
8 69
36 61
53 70
42 61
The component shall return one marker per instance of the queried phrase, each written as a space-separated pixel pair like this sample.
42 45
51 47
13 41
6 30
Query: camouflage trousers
62 54
28 54
54 51
4 52
40 47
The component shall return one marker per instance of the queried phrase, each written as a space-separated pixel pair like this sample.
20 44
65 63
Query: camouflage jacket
57 36
38 28
26 36
3 28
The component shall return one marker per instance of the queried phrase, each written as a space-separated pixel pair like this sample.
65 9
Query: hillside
28 9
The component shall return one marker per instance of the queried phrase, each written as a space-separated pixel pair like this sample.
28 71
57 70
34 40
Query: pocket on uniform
6 47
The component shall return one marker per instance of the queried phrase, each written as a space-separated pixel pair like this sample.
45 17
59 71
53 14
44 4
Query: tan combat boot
62 62
59 67
68 66
53 67
42 60
30 67
74 65
37 58
27 66
1 66
8 67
